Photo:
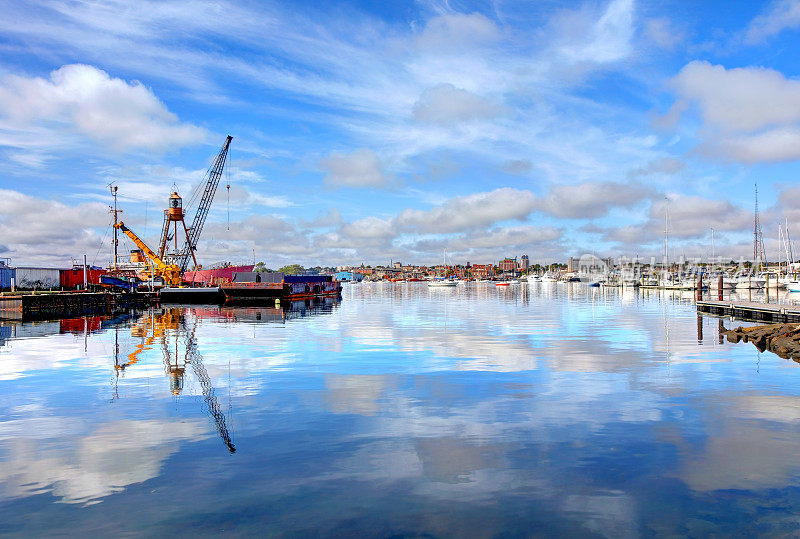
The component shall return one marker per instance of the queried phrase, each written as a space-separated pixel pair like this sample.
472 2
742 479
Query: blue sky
365 132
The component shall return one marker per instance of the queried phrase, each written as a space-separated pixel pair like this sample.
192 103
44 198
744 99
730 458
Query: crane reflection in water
170 327
176 334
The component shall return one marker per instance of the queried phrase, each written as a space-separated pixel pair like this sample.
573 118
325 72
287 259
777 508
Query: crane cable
228 172
102 241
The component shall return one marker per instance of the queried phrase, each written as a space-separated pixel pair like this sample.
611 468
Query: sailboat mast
713 256
758 239
666 235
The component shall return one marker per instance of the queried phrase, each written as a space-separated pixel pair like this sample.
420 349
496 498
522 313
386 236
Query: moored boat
276 285
442 283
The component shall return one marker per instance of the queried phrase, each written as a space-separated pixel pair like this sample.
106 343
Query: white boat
549 278
793 286
444 283
750 283
713 282
533 278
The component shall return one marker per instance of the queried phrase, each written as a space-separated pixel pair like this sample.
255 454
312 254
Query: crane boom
214 175
169 272
141 244
196 360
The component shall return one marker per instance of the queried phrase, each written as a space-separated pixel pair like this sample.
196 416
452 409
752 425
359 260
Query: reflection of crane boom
214 174
194 357
169 272
161 326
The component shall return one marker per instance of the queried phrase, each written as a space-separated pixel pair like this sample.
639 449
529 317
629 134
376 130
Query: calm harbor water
548 409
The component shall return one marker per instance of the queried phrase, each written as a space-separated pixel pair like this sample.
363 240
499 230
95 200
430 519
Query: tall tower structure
172 216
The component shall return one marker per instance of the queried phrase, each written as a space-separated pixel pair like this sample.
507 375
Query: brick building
482 271
508 264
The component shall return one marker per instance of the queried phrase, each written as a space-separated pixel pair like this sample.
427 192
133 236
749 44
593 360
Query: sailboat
753 280
444 282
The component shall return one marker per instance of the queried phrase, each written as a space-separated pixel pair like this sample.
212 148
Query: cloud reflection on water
83 469
573 402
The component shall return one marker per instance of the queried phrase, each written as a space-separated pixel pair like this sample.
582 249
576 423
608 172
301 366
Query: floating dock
751 310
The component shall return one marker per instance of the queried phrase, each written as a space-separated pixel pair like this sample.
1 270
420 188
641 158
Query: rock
781 339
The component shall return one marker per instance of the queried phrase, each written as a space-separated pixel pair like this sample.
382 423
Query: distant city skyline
371 131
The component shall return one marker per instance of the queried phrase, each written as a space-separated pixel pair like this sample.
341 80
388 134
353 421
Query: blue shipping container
307 278
6 274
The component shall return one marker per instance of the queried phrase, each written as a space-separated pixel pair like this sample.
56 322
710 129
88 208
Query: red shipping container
72 279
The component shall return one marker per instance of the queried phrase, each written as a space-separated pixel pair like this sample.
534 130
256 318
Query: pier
751 310
65 304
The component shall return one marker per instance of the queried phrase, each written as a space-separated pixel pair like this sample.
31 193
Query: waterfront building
482 271
508 264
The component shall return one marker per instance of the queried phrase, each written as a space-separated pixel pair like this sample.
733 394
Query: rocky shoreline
780 339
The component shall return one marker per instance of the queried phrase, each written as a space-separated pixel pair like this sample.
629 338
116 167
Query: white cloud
517 166
87 100
664 165
513 236
661 32
772 146
780 15
591 199
740 99
606 40
332 217
689 217
361 168
243 197
455 31
447 105
370 228
670 119
471 211
37 230
751 114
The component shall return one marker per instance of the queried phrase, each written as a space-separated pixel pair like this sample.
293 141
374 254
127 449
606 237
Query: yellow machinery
170 273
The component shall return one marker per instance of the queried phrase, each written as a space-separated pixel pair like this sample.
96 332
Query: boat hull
442 284
292 287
